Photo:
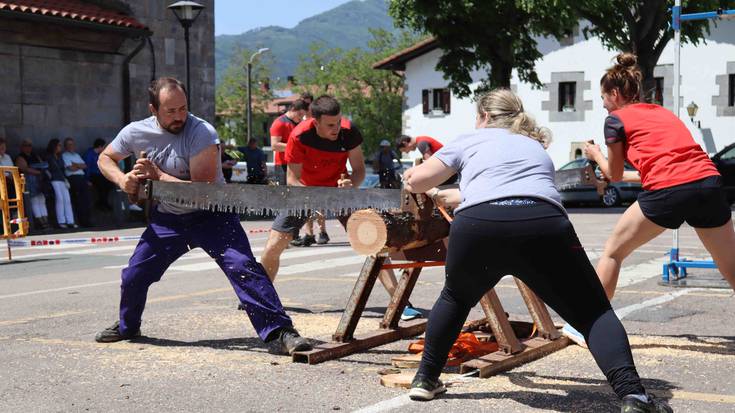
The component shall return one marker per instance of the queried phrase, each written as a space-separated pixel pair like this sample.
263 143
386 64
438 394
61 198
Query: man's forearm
357 177
110 170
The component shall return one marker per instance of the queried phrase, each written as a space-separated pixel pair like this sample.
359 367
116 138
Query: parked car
724 160
578 192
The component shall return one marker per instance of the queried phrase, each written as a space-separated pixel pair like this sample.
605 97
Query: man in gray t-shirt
180 147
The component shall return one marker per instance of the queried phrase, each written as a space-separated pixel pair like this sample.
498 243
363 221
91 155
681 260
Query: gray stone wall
170 55
53 88
55 93
721 100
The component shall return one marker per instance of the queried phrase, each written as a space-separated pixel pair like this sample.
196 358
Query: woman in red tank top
680 183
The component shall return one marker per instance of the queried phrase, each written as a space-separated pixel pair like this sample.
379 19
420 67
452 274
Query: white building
569 103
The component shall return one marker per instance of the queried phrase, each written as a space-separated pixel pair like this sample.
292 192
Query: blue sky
238 16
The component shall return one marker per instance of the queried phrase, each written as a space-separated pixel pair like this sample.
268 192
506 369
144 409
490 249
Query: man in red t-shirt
317 154
280 131
425 144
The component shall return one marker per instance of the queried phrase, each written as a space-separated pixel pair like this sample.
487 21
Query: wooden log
371 232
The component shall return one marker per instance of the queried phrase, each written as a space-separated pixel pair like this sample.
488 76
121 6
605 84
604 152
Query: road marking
627 310
306 252
85 251
43 317
54 290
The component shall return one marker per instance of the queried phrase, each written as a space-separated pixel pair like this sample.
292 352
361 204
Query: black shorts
289 224
702 204
281 174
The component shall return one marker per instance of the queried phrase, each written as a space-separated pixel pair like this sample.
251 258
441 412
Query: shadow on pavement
581 394
239 344
698 344
22 261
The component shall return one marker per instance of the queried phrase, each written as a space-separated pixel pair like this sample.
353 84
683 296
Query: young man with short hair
317 155
425 144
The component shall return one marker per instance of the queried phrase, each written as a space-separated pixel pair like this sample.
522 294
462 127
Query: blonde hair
504 110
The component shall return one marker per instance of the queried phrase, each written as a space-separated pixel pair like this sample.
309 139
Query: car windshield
575 164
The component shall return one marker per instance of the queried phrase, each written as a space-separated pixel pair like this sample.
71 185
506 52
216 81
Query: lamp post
186 12
692 112
250 102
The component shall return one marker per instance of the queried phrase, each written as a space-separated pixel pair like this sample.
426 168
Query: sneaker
63 226
304 241
112 334
410 313
574 335
632 404
323 238
74 225
292 342
425 389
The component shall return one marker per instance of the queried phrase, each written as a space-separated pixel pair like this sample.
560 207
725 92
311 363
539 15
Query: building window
436 101
731 94
567 96
658 91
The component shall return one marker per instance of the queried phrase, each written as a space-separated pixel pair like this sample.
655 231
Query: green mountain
346 26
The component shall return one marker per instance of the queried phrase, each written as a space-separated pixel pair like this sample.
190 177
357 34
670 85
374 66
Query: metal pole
676 25
188 80
250 117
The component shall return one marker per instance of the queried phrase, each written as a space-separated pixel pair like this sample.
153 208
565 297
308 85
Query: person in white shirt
80 194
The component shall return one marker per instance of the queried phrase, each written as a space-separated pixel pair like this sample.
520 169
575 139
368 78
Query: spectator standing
384 166
255 158
32 167
100 184
228 162
280 132
75 167
62 199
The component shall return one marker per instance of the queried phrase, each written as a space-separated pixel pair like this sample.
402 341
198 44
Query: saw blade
266 199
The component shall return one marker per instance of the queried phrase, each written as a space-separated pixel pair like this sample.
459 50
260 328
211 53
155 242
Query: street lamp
186 12
692 111
250 102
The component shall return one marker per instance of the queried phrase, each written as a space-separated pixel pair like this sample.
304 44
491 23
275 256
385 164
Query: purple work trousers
169 236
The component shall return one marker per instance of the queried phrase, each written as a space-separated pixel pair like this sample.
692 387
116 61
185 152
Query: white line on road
53 290
627 310
306 252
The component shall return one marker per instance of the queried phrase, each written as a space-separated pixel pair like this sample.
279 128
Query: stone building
81 68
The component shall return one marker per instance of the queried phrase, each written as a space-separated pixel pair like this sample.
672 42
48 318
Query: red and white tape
53 242
18 220
92 240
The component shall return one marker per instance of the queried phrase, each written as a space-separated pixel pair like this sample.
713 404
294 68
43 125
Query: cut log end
367 232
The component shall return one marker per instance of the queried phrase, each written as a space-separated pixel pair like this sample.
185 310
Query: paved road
200 354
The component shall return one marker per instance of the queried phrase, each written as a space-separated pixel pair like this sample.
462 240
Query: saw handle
134 198
343 177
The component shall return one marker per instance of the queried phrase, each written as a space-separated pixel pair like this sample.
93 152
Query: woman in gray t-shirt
510 221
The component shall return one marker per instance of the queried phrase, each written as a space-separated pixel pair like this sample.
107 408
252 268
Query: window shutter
425 100
446 95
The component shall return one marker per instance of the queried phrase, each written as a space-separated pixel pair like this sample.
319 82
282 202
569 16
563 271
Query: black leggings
538 245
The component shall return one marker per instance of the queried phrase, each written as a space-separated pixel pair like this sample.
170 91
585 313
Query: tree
494 36
231 97
642 27
371 98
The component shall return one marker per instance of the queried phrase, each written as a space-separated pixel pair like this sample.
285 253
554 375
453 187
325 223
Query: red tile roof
72 9
397 61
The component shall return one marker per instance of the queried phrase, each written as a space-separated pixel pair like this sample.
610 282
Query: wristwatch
433 194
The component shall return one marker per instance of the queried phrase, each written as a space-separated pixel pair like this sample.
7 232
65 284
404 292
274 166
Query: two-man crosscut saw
263 199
